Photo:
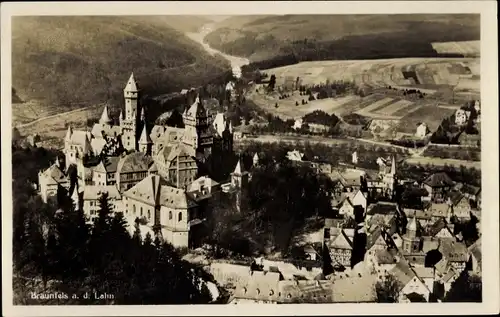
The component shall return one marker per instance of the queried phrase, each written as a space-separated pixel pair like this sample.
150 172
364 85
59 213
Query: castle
154 176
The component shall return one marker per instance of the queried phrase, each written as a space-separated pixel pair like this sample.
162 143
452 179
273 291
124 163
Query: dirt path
28 124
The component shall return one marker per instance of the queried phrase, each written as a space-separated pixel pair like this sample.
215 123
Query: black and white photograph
261 155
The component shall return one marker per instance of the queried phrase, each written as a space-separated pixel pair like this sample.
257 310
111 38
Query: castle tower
130 121
411 239
145 142
239 180
198 135
70 152
105 120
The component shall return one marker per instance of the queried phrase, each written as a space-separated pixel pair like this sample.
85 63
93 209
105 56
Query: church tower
129 122
105 119
411 239
239 181
197 126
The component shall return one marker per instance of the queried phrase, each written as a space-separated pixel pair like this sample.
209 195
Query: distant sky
218 18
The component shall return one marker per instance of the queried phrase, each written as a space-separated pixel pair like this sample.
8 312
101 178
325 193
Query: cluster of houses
365 241
153 176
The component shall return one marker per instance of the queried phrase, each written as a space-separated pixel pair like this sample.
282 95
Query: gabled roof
306 291
423 272
453 251
54 175
94 192
475 251
382 208
134 162
437 226
341 242
259 286
403 272
354 289
386 256
440 179
147 190
439 210
197 109
470 190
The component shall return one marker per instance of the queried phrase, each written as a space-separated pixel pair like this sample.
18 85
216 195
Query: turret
105 116
145 142
69 133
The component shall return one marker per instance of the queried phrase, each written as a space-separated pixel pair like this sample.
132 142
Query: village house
157 203
104 173
422 130
260 288
305 291
438 185
474 264
339 243
51 179
91 195
131 169
411 284
459 206
455 252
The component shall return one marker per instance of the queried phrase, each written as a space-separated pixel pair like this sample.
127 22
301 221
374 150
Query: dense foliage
388 289
466 288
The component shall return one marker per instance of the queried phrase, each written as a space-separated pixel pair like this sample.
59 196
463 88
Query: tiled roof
453 251
172 151
442 266
197 109
94 192
109 165
166 134
403 272
430 243
436 227
99 130
175 198
382 208
455 197
439 180
306 291
134 162
54 175
449 275
475 251
147 190
259 286
333 223
342 241
385 256
97 145
424 272
439 210
470 190
155 191
354 289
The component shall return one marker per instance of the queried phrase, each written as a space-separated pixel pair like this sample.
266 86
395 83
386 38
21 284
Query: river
236 61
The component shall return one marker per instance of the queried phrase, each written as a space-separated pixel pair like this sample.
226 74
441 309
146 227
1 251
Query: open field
441 162
467 48
53 128
426 74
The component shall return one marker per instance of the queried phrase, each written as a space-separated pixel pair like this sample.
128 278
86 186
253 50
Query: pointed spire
412 225
237 170
131 84
144 139
76 197
69 133
393 166
86 145
105 116
57 163
230 127
143 115
121 115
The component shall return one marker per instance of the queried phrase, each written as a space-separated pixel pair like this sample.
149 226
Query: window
141 211
170 215
133 207
180 216
149 214
91 203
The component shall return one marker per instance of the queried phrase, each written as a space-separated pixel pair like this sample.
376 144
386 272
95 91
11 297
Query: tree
465 288
272 82
388 289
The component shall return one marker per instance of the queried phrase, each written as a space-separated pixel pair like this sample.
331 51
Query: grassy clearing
430 114
442 162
